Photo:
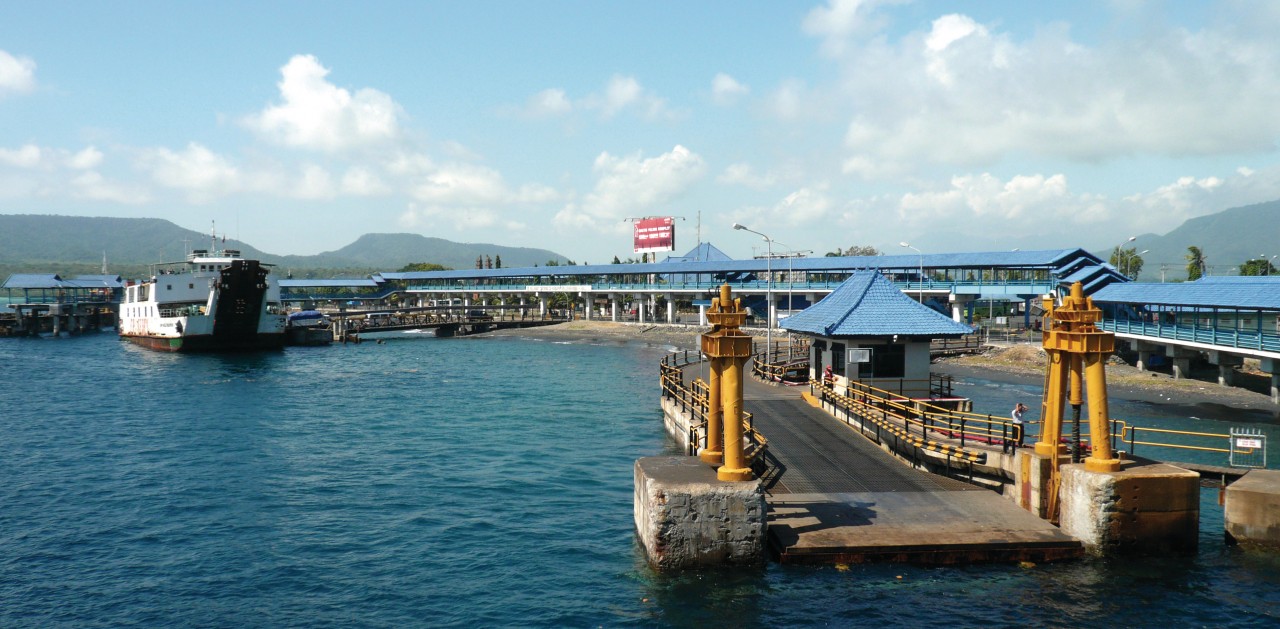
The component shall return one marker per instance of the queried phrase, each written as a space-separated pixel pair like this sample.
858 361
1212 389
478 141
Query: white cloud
744 175
963 93
840 20
87 158
26 156
726 90
361 181
634 184
17 74
620 94
549 102
314 183
316 114
93 186
197 170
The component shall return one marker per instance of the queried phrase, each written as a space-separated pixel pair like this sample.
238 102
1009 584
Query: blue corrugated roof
1053 258
34 280
1245 295
1240 279
867 304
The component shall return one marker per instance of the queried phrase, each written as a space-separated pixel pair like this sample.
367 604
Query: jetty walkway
834 496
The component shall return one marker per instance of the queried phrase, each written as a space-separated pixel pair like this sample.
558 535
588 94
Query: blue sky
955 126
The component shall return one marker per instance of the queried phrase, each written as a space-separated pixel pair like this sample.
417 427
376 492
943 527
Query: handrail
693 400
884 421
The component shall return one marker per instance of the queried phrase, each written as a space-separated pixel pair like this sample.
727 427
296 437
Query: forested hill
1227 238
31 243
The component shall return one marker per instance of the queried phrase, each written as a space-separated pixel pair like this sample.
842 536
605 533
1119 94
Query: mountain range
77 244
1227 238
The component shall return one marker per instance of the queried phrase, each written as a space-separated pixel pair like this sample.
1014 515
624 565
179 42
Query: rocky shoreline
1020 364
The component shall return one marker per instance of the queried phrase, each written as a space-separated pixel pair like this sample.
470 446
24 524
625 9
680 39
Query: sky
950 126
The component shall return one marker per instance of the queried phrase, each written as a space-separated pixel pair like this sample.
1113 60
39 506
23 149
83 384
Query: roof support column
586 304
671 308
613 307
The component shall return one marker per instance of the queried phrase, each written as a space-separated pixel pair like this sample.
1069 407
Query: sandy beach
1022 364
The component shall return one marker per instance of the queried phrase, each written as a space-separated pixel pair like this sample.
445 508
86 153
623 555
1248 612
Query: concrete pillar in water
702 314
671 308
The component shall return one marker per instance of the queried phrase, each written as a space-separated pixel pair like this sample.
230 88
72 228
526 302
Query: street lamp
921 269
768 311
1120 257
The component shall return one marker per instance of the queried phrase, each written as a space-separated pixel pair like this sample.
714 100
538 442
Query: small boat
215 301
308 327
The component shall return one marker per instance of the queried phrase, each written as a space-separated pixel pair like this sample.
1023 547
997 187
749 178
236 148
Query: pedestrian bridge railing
1223 337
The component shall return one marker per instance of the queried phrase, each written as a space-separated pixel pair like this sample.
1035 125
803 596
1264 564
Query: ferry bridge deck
834 496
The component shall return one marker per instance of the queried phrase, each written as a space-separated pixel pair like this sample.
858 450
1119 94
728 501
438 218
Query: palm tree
1195 263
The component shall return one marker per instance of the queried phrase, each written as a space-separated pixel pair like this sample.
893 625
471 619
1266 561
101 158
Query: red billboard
655 234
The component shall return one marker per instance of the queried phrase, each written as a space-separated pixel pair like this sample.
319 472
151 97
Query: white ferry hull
223 304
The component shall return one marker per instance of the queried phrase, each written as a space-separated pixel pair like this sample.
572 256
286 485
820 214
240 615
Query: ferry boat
215 301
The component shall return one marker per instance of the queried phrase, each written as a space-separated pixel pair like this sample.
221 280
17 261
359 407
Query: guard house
868 331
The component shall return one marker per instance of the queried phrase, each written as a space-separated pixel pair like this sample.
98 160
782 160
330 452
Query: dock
835 497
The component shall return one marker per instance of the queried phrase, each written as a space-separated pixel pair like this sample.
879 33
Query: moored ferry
213 301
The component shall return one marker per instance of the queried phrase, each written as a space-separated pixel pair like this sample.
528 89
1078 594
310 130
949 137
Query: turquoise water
443 482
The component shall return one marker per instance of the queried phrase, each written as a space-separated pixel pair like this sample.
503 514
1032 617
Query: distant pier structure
36 304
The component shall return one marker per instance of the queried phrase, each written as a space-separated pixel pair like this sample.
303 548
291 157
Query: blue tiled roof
1242 294
1054 258
867 304
705 251
34 280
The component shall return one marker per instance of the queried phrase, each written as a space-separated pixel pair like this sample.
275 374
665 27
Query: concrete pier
1143 508
688 518
1251 509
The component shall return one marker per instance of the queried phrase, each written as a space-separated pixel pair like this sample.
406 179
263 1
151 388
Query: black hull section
242 287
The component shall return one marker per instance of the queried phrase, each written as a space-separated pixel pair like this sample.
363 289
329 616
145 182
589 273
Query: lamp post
921 269
768 310
1120 257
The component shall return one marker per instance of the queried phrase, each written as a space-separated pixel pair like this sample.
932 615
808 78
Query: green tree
616 260
423 266
1261 266
1195 263
855 250
1128 261
497 262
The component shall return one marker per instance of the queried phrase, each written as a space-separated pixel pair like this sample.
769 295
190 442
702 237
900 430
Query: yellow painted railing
692 399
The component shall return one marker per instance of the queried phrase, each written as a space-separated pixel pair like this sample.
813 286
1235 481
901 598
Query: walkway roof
867 304
1047 259
53 281
1237 293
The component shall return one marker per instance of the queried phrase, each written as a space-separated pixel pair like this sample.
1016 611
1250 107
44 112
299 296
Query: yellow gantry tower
728 349
1076 346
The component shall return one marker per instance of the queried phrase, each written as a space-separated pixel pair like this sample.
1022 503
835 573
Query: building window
837 359
890 361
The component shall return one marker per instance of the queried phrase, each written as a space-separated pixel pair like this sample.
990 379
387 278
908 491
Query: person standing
1018 410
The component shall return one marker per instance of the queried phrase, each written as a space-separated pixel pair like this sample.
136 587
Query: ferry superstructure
213 301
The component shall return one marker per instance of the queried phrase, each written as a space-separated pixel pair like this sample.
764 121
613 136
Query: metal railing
1225 337
922 418
692 399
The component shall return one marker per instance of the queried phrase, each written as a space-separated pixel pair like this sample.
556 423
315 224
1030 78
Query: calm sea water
444 482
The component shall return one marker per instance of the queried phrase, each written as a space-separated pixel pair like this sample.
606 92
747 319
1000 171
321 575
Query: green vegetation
1127 261
1195 263
1261 266
854 250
